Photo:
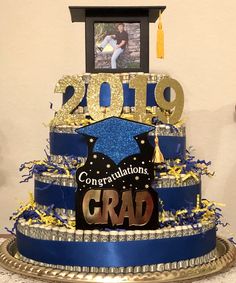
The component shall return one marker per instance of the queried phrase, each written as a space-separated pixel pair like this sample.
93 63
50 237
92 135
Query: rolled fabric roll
153 268
36 231
172 232
70 235
48 232
95 236
137 269
160 267
79 235
145 235
87 235
166 232
152 234
62 234
55 232
130 236
145 268
174 265
159 234
104 236
122 236
129 269
114 236
137 234
179 231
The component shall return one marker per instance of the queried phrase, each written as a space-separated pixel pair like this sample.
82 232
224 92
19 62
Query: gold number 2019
168 111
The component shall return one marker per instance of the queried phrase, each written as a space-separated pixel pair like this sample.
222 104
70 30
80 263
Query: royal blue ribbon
75 144
105 95
129 95
117 254
171 147
68 144
176 198
173 198
59 196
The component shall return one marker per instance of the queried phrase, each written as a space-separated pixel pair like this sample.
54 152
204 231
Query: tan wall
39 44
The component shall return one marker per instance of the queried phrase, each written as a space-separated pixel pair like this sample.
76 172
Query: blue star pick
115 137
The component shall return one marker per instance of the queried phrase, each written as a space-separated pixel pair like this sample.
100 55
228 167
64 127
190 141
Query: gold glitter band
56 233
62 180
172 182
162 130
61 158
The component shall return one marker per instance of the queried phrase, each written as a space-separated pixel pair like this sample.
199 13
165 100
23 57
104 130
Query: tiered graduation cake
118 192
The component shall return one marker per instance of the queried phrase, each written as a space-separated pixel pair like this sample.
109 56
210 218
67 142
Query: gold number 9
64 116
170 111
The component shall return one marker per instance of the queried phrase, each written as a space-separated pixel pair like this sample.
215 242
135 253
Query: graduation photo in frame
117 43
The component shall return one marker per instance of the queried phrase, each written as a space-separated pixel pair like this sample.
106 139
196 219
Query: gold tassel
157 155
160 38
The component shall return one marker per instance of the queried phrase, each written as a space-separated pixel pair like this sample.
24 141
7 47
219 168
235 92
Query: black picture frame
117 15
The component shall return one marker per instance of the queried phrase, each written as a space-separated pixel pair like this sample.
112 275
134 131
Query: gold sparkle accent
175 106
136 177
108 166
139 83
98 172
95 156
142 141
147 186
71 115
134 158
64 116
91 140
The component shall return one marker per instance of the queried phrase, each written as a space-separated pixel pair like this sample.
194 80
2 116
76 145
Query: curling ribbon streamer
160 38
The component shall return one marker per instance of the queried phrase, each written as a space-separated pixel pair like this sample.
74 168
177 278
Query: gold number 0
176 105
64 116
93 99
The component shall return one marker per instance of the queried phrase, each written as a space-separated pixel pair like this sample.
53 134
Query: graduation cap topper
117 14
114 185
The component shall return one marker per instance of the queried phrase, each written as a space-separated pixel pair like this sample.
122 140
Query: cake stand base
226 256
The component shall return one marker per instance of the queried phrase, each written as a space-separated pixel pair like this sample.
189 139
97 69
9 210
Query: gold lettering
110 200
140 199
127 209
95 217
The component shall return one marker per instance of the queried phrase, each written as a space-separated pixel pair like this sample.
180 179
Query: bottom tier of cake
117 251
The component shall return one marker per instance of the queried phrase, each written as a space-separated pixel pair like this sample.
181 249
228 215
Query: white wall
39 44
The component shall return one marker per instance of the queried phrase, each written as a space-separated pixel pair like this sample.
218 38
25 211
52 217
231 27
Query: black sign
115 194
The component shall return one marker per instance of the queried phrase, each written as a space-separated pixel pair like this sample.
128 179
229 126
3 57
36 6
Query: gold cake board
226 256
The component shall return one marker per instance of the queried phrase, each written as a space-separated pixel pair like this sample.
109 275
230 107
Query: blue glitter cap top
115 137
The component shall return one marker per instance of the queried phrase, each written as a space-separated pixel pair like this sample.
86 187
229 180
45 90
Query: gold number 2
64 116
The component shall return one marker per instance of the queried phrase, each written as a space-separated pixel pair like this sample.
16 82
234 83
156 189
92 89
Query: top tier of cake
132 96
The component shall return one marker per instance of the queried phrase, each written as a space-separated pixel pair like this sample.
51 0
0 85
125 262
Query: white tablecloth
9 277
